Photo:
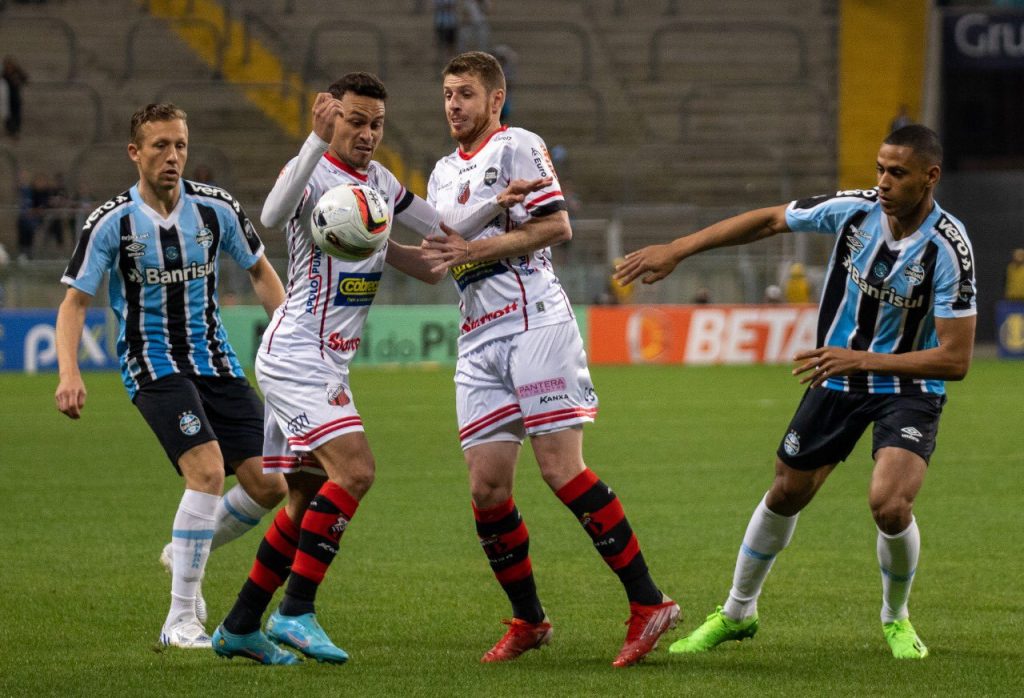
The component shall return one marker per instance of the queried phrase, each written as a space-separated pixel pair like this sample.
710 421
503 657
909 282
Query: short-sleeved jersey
881 294
327 299
163 279
511 295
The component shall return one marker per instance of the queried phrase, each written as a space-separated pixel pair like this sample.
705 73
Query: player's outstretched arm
70 395
412 261
267 285
949 361
655 262
290 186
534 234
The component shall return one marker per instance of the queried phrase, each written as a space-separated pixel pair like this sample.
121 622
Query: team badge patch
189 424
491 176
914 274
791 444
337 396
880 270
204 238
171 254
463 196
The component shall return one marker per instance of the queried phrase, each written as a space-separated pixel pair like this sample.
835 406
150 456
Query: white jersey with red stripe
327 299
511 295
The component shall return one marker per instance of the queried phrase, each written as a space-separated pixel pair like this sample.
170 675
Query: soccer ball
351 222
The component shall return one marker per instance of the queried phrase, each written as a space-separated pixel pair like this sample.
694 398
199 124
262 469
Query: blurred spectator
476 30
33 199
702 296
446 29
509 61
15 78
901 119
798 289
1015 277
203 174
772 295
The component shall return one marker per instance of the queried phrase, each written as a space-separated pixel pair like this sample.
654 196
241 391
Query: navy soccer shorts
828 423
186 411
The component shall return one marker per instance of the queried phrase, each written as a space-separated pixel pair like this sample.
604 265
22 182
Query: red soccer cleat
520 637
646 626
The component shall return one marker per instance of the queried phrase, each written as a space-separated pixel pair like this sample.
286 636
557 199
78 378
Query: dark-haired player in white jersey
522 370
313 431
161 243
897 319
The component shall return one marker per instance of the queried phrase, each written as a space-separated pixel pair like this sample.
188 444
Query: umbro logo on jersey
911 434
854 244
135 250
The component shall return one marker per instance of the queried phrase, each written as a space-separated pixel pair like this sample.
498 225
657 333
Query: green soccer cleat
903 640
715 630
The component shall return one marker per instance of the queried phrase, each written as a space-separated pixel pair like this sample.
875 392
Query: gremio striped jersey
511 295
327 299
163 279
881 294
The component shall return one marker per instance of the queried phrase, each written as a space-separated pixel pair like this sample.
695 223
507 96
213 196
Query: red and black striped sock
270 569
322 526
600 512
506 543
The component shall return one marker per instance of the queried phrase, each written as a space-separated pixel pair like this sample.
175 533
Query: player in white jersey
522 370
312 429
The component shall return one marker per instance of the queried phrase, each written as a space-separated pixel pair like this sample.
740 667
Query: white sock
897 558
767 534
236 514
190 548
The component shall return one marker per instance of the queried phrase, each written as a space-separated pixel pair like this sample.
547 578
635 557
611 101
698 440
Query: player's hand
827 362
517 189
70 396
655 262
447 252
326 109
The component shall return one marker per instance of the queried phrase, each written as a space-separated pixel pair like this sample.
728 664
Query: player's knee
357 478
892 514
487 494
205 479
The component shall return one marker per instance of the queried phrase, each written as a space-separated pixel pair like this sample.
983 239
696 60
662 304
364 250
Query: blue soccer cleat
255 646
305 634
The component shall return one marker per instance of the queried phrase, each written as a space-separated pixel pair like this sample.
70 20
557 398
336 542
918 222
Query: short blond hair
164 111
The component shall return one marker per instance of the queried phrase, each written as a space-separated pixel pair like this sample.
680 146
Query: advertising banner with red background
700 334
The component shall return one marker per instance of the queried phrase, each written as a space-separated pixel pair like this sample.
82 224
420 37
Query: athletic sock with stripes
897 558
190 547
269 570
767 535
599 510
506 542
237 513
323 524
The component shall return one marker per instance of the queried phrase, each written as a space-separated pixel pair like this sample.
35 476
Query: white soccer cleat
168 562
188 634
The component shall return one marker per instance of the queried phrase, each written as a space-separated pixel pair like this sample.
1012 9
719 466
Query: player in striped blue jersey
896 320
160 243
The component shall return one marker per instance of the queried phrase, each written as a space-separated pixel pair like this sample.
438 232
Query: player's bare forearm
655 262
412 261
267 285
71 393
949 361
535 234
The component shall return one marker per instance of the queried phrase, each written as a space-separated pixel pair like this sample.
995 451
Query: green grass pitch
87 506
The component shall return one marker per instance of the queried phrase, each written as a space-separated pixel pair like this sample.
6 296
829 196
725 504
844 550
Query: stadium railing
530 30
55 27
91 124
312 69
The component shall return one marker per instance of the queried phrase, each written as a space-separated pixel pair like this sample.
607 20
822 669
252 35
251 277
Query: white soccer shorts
530 383
307 405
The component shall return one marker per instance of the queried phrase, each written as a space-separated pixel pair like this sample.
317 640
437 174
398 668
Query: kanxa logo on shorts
299 425
188 423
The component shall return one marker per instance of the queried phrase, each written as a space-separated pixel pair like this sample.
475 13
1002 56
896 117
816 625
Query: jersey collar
492 134
361 176
927 224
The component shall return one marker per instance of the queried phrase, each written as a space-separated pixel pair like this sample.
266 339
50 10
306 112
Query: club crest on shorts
188 423
791 444
337 396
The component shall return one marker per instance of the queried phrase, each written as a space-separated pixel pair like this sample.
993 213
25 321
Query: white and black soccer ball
351 222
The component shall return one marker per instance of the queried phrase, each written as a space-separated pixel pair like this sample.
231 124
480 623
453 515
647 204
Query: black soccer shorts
828 423
185 411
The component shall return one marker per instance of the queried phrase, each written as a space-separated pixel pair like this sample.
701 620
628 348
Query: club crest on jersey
171 254
463 195
204 238
880 270
914 274
490 175
337 396
188 423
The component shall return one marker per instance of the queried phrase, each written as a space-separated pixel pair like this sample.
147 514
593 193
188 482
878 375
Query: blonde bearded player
313 430
522 369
